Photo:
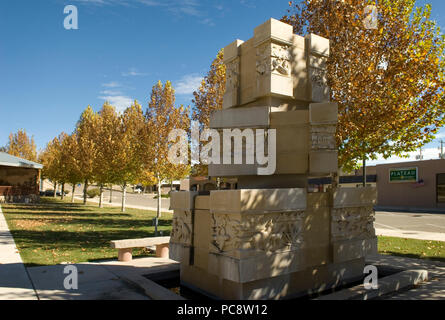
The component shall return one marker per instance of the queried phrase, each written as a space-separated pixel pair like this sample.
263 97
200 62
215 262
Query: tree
208 99
147 179
51 159
387 81
161 118
86 147
106 142
72 172
130 148
20 145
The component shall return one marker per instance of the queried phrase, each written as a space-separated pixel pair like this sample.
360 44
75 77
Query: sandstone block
323 113
353 249
323 162
257 200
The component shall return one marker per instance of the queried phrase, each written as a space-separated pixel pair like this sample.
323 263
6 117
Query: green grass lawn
412 248
56 231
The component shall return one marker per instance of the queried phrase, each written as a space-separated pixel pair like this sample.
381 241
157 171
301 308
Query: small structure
19 179
271 238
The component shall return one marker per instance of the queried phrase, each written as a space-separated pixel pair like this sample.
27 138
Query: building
411 185
19 179
403 185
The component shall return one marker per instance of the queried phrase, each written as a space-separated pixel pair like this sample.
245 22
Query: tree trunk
124 196
364 171
101 198
85 187
159 200
55 189
158 212
335 180
111 194
63 191
72 195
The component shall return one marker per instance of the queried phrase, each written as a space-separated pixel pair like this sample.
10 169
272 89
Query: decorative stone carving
352 223
181 228
319 77
323 138
232 72
266 232
272 57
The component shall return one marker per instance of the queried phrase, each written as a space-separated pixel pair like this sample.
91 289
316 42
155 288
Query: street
425 222
133 199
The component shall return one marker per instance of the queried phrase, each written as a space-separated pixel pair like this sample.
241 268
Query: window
440 187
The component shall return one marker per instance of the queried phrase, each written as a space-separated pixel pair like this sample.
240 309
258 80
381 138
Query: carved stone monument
271 238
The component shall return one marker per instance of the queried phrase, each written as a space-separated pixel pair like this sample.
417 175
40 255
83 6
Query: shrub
91 193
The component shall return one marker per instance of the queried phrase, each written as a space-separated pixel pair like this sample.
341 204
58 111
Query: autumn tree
20 145
72 172
208 99
86 147
106 141
386 74
162 117
51 160
147 178
130 148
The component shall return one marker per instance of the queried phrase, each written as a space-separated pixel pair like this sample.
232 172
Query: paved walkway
433 289
15 283
105 280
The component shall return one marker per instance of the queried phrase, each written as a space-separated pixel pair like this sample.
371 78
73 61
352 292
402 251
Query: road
139 200
422 226
425 222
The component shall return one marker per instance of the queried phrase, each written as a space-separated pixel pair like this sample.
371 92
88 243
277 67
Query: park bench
125 246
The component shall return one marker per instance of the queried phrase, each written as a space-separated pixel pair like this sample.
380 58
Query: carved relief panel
352 223
181 228
266 232
273 69
323 137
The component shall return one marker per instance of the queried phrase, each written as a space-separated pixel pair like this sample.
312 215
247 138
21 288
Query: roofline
23 163
31 166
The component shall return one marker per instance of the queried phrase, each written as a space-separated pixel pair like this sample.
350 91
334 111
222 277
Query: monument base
293 285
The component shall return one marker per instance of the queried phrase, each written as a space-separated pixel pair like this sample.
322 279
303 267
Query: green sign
403 175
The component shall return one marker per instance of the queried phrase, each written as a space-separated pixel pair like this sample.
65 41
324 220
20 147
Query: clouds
112 84
427 153
187 84
133 72
191 8
115 96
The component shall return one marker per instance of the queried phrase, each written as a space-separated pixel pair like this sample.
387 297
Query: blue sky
48 75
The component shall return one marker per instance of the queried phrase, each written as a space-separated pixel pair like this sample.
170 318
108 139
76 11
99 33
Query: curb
389 284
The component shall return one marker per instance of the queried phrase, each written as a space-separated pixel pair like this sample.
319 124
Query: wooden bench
125 246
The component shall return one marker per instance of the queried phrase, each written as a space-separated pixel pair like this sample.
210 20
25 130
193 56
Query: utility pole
420 156
441 155
364 172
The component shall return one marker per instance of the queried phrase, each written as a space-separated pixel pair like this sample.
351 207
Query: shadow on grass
60 209
414 256
100 222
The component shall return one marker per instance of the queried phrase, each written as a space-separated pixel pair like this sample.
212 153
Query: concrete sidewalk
410 234
433 289
15 283
106 280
